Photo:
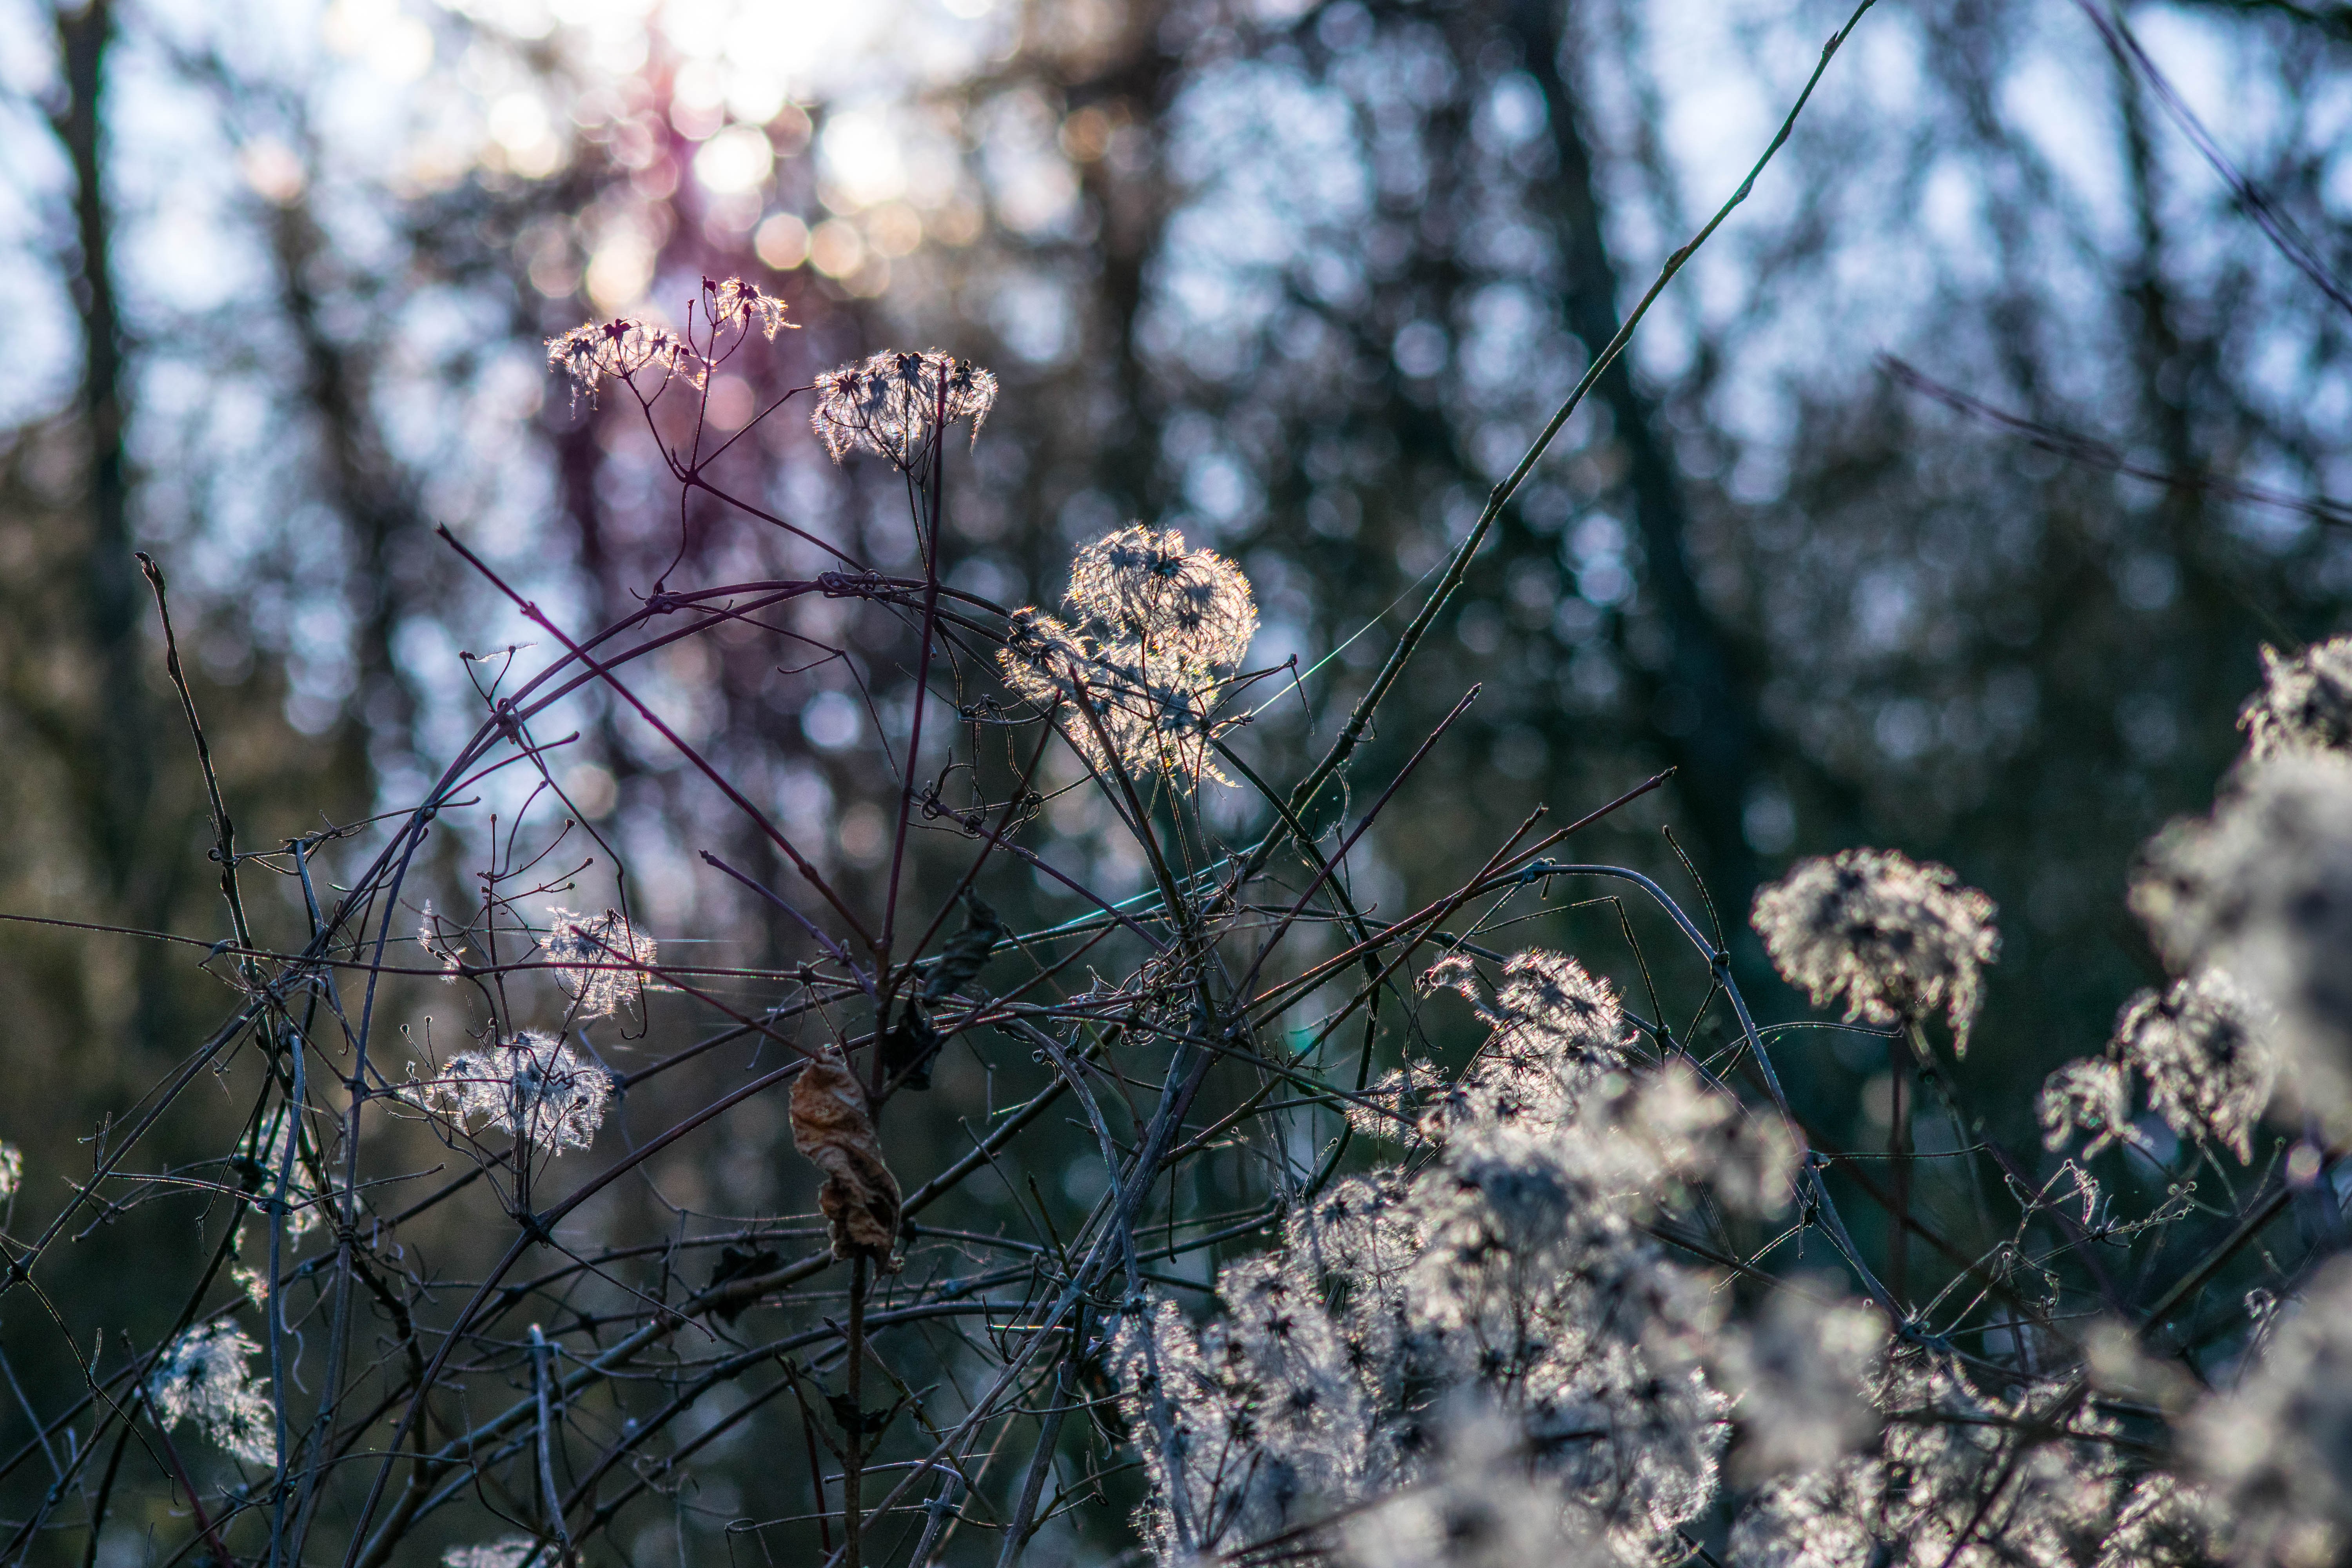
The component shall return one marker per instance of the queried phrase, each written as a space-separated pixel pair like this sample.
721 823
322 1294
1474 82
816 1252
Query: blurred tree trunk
1140 78
1701 715
2174 364
117 769
360 478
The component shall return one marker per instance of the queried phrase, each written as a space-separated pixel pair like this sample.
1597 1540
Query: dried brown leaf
833 1127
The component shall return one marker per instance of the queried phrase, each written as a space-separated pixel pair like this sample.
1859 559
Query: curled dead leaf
833 1127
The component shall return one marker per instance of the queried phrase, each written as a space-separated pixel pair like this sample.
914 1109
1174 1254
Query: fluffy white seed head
1896 938
1501 1285
507 1553
535 1089
1146 585
2204 1047
1480 1505
1138 681
745 306
2262 890
1917 1499
2165 1523
892 403
2277 1452
620 349
201 1378
2090 1096
1801 1375
1555 1029
2304 703
602 957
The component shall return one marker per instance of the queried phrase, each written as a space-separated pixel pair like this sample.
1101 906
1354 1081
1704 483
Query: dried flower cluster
535 1089
507 1553
2277 1453
2262 890
1800 1375
1897 937
601 959
736 303
1957 1476
2305 705
1572 1301
1145 586
1478 1504
2092 1094
1554 1029
620 349
1138 678
201 1378
2203 1050
1495 1328
892 403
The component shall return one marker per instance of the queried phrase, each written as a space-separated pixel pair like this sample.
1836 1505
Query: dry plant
1589 1295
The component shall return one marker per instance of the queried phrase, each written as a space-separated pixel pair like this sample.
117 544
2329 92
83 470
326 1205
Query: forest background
1945 502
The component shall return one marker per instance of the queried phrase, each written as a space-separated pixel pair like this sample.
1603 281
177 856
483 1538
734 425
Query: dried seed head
2090 1096
1392 1107
2165 1523
603 959
1946 1448
1153 711
1897 937
621 348
2262 890
892 403
1483 1503
507 1553
1667 1128
1040 655
833 1127
2305 702
2206 1051
201 1377
1157 622
1556 1030
1802 1375
2278 1451
1146 586
738 303
536 1088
